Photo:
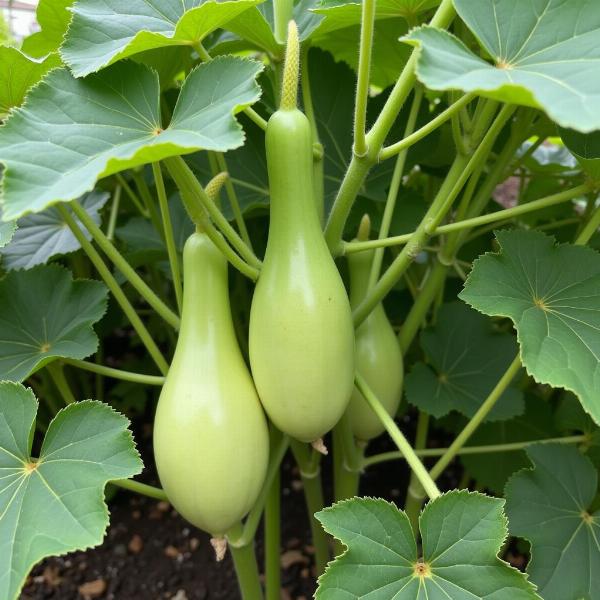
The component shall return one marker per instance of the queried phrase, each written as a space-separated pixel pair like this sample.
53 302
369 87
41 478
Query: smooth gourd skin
301 334
211 441
378 355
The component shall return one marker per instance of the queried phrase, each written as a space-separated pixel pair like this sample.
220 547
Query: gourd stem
398 438
249 112
116 290
233 201
360 166
376 459
115 373
119 261
246 569
144 191
392 197
590 228
190 187
477 418
291 69
412 138
273 540
168 233
132 195
57 374
141 488
114 213
459 173
313 495
364 71
412 506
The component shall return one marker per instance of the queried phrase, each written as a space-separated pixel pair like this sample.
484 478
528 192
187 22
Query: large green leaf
535 424
44 315
53 17
54 504
545 53
41 236
586 148
552 294
18 73
462 533
105 31
549 505
466 357
72 131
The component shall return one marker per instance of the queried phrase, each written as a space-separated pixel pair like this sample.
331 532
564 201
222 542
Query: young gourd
378 354
211 441
301 334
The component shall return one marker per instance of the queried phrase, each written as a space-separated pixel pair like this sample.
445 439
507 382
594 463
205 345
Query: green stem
115 256
360 166
282 15
477 418
273 541
115 373
141 488
116 290
424 131
466 224
364 71
114 213
233 200
459 173
313 495
375 459
398 438
144 191
56 371
168 233
190 187
413 506
246 569
278 449
390 204
590 228
132 195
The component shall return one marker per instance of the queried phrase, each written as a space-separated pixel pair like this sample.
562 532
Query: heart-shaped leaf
545 54
54 504
45 315
550 506
73 131
41 236
18 73
462 533
466 357
552 294
105 31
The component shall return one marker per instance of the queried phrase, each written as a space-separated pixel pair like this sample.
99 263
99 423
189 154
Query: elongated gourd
378 355
211 441
301 334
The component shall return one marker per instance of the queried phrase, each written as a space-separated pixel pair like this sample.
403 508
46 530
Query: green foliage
54 503
461 532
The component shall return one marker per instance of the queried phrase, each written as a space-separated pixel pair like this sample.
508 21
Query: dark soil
151 553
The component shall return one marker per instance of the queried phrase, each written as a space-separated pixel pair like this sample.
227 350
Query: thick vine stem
291 69
398 438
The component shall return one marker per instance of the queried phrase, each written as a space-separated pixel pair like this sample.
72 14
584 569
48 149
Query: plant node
422 569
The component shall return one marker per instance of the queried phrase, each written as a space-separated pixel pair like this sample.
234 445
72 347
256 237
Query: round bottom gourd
211 440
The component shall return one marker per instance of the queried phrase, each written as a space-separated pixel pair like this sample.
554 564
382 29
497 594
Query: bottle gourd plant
363 229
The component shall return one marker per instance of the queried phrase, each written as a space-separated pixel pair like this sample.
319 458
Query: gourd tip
319 446
213 187
220 547
364 229
291 70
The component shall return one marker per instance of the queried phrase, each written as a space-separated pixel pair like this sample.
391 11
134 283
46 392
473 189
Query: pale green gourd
211 441
378 355
301 333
